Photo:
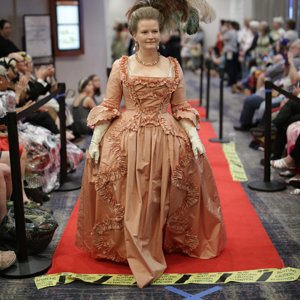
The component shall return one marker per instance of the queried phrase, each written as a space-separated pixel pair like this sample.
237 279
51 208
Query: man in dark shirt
6 45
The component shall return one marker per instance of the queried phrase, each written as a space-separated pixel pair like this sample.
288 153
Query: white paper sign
38 35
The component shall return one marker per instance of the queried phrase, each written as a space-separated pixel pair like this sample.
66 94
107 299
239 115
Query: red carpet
248 245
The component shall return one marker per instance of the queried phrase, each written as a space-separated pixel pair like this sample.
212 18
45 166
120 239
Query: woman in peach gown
147 188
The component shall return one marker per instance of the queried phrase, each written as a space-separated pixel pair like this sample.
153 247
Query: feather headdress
179 13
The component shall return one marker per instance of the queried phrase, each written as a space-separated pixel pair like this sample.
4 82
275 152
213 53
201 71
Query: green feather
192 24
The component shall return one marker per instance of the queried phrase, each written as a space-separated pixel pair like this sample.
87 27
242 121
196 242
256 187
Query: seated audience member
8 103
291 161
288 114
6 45
37 86
290 30
277 32
82 105
293 57
41 84
274 71
97 87
247 85
253 102
41 79
7 258
256 71
8 100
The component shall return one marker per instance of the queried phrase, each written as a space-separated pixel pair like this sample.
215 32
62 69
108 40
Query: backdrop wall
68 69
99 17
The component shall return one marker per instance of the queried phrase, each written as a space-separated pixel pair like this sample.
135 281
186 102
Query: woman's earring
136 46
157 47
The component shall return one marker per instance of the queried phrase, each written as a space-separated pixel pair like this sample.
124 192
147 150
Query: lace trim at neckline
125 71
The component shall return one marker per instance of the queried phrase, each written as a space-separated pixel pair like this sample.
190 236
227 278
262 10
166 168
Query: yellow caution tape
287 274
235 165
269 275
46 281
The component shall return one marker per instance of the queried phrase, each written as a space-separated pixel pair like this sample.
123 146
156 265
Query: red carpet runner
248 245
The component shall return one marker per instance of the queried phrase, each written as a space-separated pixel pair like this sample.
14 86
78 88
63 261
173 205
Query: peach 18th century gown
148 195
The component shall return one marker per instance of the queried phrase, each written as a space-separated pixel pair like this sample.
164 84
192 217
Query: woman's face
29 66
89 88
6 30
11 74
96 82
3 82
262 29
295 49
147 35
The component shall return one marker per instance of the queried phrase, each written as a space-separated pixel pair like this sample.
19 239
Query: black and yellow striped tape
269 275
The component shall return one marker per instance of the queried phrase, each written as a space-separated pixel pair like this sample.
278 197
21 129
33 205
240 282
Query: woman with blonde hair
148 188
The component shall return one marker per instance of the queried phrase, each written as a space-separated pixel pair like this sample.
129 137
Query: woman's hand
98 134
296 92
197 146
191 131
20 87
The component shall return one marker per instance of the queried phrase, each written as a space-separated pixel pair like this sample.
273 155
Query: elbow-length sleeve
109 108
181 109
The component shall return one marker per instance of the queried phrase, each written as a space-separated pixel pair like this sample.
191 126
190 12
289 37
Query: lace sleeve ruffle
101 113
187 112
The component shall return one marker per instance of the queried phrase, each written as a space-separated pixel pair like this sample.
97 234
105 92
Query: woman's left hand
192 133
197 146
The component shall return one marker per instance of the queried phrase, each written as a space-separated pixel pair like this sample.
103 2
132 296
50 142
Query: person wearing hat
82 105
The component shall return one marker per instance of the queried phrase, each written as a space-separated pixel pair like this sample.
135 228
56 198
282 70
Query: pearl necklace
147 64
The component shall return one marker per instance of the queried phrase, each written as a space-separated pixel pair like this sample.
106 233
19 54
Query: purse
40 226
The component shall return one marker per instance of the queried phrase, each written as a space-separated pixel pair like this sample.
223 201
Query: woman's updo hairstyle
144 13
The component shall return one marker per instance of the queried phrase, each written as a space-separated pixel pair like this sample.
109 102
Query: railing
201 80
221 139
267 185
29 266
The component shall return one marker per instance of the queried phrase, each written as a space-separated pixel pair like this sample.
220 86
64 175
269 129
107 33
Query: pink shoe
7 259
